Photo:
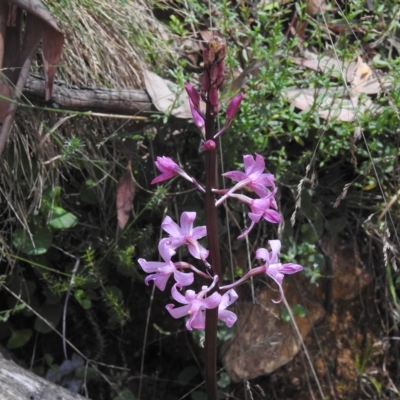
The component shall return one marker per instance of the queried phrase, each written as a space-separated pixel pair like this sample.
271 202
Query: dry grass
108 42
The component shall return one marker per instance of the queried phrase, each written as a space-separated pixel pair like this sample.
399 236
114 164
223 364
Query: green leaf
299 310
80 295
285 315
50 198
19 338
223 380
62 219
4 317
40 243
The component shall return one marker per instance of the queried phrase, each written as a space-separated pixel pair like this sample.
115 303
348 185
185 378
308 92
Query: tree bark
103 100
17 383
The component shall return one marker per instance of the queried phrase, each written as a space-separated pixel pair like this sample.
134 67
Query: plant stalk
210 346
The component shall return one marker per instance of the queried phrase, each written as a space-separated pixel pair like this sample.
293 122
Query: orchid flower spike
273 268
186 235
195 305
163 270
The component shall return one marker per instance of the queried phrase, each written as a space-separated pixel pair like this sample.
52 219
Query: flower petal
163 177
227 299
235 175
166 248
212 301
273 272
179 297
260 190
178 312
266 180
171 227
276 248
272 216
150 266
255 217
197 320
257 168
183 278
228 317
159 280
199 232
187 219
196 249
262 254
246 232
290 268
249 164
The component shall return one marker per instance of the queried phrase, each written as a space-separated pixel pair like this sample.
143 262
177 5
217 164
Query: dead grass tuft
108 42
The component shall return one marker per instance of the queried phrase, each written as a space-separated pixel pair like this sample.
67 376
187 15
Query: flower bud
197 117
214 73
209 145
193 95
219 48
222 52
213 95
233 107
208 57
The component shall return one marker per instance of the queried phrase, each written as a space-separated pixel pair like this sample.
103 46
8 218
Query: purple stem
210 345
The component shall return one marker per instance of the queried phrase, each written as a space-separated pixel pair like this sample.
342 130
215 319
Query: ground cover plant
320 105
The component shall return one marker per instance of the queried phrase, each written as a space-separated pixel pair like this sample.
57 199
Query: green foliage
39 238
19 338
37 244
297 309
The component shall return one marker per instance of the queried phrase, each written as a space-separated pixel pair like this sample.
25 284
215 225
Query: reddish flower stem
210 346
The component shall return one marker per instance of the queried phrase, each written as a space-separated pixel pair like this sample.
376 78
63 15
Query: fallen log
17 383
102 100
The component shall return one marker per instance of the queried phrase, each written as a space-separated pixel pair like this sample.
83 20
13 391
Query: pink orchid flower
253 178
260 208
224 315
163 270
273 268
195 306
186 235
169 169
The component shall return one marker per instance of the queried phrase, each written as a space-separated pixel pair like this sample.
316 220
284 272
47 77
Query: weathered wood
16 383
104 100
